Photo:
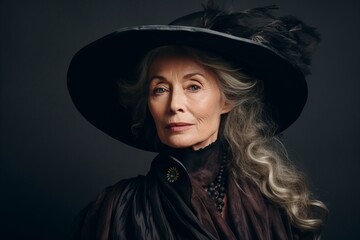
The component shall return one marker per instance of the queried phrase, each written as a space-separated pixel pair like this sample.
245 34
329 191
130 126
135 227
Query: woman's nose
177 101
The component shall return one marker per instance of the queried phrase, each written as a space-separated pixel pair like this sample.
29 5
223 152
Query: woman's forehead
179 63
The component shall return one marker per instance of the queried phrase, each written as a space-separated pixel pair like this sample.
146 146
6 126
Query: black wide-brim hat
277 60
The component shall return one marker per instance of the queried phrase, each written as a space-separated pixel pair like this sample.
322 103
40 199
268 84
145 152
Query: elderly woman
210 93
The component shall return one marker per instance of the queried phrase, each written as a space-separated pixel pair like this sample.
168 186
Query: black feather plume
287 35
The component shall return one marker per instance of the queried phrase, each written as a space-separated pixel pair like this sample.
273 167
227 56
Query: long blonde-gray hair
257 154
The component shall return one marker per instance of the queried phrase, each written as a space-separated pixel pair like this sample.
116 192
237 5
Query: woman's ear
227 107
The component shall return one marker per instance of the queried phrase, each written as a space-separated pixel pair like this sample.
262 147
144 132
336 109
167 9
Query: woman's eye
194 88
159 90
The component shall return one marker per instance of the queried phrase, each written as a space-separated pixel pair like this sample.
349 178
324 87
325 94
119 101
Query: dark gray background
53 162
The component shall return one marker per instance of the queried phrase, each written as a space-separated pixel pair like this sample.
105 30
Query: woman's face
185 102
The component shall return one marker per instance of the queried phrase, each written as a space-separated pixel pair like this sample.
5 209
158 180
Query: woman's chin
178 143
181 143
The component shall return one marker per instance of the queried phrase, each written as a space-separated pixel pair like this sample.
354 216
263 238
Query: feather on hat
287 35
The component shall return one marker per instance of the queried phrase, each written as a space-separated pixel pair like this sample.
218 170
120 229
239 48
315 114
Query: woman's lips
178 126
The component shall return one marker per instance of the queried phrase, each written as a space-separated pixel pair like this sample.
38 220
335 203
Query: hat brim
95 70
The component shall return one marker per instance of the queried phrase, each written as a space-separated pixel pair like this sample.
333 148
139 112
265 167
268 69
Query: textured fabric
163 206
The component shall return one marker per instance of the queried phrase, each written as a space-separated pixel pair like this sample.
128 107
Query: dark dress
163 206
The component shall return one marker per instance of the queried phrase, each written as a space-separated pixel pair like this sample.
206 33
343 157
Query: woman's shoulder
100 211
124 185
111 194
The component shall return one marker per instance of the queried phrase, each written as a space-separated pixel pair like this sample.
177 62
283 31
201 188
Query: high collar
202 165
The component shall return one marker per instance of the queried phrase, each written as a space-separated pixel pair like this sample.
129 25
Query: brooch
172 175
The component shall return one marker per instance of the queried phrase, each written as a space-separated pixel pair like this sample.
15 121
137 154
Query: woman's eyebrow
157 77
187 76
190 75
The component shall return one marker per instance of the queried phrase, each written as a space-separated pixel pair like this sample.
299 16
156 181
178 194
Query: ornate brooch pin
172 175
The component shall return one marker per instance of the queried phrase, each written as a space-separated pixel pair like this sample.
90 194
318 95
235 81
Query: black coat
156 207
